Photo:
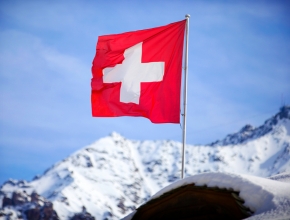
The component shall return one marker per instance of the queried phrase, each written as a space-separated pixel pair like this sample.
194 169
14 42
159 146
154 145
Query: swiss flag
138 73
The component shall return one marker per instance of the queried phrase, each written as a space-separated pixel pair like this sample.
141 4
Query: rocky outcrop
114 175
30 207
248 132
18 199
84 215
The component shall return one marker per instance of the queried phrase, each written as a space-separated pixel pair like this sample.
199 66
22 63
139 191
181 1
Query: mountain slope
114 175
248 132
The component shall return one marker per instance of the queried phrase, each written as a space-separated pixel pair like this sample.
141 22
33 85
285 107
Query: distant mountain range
111 177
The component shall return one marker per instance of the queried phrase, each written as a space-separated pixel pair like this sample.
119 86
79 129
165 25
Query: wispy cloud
238 67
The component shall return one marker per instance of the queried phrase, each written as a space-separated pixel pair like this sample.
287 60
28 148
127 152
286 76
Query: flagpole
185 96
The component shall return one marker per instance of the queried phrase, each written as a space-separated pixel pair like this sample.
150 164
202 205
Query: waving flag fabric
138 73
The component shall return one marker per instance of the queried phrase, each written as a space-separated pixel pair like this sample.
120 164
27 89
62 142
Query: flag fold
138 73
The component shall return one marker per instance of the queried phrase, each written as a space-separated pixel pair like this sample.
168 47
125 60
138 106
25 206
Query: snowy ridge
248 132
267 198
114 175
256 191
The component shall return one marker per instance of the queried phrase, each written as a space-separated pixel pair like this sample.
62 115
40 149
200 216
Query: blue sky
239 70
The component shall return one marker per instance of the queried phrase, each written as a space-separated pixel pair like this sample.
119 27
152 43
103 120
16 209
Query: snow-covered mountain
248 132
114 175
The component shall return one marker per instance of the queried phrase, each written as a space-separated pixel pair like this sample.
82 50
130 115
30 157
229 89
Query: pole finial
187 15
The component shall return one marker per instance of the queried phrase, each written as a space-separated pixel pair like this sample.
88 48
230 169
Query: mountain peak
113 175
284 112
116 136
247 128
249 132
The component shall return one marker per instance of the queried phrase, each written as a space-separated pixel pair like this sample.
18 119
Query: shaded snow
283 177
114 175
260 194
265 197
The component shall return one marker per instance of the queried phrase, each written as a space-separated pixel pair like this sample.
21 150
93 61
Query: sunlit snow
114 175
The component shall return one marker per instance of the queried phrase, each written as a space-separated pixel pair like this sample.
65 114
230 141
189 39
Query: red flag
138 73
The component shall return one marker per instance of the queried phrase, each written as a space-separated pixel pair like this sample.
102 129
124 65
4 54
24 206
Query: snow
265 197
114 175
260 194
12 213
283 177
280 213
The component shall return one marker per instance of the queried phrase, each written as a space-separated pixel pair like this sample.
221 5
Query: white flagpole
185 95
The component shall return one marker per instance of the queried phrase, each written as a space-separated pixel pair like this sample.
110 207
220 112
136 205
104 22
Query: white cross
132 72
